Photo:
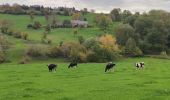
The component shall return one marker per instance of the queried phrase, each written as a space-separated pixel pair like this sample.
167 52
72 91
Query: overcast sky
100 5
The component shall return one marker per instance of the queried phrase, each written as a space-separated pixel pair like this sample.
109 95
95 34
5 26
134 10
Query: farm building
79 23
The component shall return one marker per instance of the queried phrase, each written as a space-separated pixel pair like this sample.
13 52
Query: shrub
10 32
49 41
81 39
91 43
24 36
29 26
67 24
25 60
17 34
102 55
75 32
2 56
37 25
131 49
36 51
54 52
5 25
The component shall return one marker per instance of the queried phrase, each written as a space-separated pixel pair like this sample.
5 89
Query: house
79 23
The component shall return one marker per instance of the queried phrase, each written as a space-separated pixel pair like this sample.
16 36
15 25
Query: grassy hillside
57 35
87 82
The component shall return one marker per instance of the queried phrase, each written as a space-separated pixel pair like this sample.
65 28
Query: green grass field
87 82
19 23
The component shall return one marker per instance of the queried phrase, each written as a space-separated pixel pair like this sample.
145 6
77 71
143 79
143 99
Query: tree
131 49
84 11
67 23
157 40
116 14
37 25
54 20
77 16
5 25
108 42
124 32
125 14
4 45
17 9
142 24
81 39
31 13
130 20
48 28
46 14
103 21
92 11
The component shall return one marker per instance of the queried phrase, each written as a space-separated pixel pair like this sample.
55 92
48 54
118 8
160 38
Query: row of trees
148 32
100 49
39 10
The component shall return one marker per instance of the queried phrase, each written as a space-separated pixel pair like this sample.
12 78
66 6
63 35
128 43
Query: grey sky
100 5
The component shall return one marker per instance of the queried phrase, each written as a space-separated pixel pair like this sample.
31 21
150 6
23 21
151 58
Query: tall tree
116 14
103 21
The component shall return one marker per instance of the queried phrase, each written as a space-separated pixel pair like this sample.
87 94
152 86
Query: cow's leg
105 69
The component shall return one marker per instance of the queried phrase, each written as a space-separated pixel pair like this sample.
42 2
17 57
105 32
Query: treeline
36 9
100 49
147 33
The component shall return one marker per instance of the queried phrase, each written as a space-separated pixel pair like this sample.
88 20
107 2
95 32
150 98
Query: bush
4 44
36 51
2 56
54 52
81 39
67 24
25 60
37 25
29 26
102 55
24 36
17 34
10 32
131 49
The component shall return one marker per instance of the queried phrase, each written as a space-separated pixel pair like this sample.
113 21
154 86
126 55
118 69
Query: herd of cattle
109 66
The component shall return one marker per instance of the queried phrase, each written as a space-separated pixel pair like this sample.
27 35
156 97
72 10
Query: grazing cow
72 65
140 65
52 67
109 66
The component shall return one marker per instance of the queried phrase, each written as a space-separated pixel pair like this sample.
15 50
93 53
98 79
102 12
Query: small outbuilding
79 23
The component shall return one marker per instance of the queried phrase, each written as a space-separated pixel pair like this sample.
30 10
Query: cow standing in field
52 67
109 66
72 65
140 65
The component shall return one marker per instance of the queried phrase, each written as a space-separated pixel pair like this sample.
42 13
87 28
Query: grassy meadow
87 82
20 22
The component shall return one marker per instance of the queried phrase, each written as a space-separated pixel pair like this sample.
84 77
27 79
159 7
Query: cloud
100 5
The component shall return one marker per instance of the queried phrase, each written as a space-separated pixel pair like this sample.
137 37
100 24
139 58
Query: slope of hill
20 22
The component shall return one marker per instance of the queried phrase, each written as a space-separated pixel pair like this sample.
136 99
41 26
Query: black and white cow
52 67
72 65
140 65
109 66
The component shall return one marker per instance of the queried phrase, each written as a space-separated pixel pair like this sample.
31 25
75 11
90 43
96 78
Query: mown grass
87 82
